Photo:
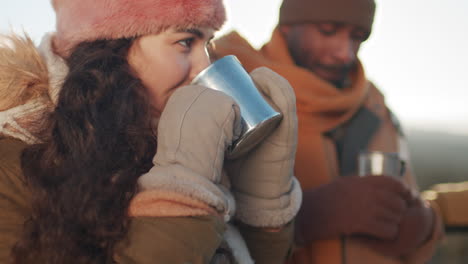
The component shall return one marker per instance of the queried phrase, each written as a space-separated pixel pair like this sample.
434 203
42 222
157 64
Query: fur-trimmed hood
30 80
23 72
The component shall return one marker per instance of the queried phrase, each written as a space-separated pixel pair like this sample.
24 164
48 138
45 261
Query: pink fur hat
88 20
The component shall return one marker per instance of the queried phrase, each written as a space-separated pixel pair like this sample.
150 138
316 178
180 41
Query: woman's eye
186 42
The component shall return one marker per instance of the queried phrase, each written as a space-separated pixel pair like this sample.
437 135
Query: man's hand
415 228
373 206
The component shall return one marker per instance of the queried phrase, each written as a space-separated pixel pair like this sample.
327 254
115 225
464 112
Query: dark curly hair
84 174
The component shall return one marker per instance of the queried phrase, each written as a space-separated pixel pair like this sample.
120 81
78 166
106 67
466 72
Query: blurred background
417 55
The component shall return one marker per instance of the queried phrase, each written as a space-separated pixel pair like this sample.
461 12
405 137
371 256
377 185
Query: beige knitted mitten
195 128
266 192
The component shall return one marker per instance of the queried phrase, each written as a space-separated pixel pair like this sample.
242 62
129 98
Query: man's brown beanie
355 12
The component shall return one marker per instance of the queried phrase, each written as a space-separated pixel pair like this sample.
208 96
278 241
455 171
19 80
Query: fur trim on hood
30 80
23 72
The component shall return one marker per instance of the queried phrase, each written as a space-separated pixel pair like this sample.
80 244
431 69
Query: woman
125 157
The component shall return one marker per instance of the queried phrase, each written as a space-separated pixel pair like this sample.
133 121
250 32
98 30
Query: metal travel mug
258 117
380 163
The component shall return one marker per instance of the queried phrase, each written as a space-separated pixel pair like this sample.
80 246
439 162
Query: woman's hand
195 128
266 192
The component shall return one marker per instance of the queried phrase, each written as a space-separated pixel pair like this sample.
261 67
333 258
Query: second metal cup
380 163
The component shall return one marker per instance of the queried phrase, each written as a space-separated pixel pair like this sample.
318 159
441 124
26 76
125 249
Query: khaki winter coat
14 197
146 235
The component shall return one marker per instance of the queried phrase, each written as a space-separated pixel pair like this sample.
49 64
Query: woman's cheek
172 76
182 70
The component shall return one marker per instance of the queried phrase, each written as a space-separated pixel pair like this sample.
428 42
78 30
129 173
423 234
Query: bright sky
417 53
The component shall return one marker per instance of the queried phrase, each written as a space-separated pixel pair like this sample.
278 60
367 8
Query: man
344 218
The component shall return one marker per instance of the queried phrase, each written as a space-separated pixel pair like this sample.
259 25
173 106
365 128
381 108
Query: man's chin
333 77
328 74
339 83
